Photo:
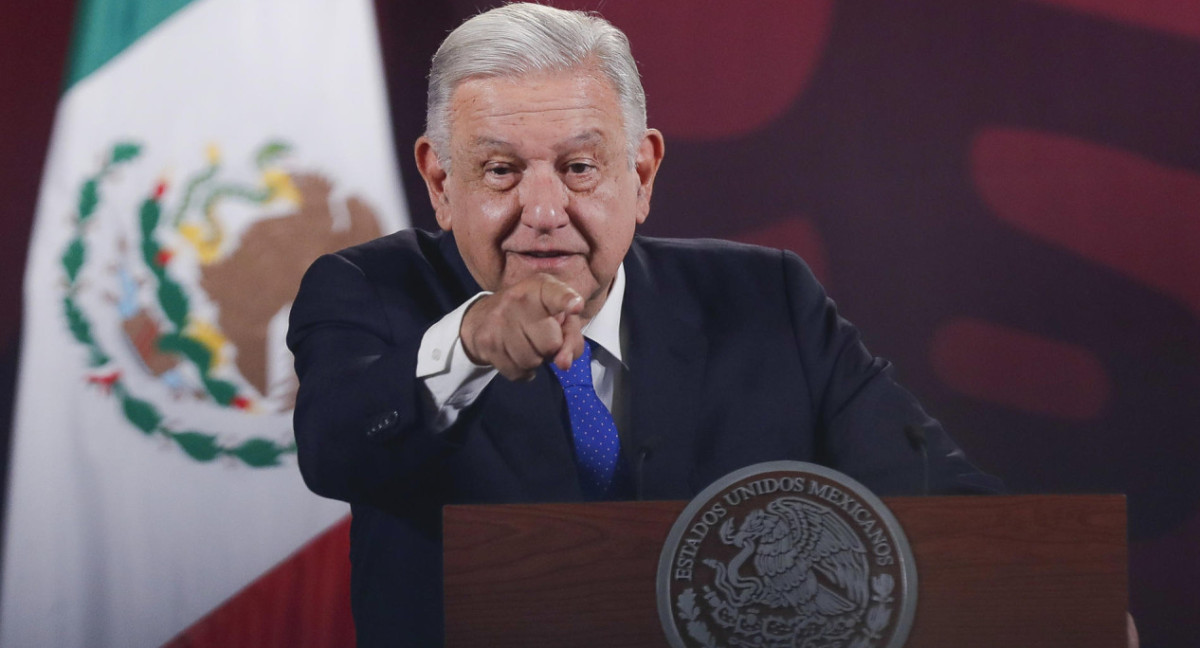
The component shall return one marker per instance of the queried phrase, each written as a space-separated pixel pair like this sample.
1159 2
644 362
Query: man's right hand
518 328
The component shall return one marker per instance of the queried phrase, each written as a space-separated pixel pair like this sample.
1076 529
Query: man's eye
500 176
579 168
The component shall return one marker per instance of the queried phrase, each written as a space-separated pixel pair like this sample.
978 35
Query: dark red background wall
1004 195
33 45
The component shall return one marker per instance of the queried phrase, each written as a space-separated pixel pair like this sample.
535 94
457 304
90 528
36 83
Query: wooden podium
1021 571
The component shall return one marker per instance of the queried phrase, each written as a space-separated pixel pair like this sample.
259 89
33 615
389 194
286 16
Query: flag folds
204 153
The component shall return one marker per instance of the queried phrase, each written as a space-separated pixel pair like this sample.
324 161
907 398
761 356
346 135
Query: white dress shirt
452 382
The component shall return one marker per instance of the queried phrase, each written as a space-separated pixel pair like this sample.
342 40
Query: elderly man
538 350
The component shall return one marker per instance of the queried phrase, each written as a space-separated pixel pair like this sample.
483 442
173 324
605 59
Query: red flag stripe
304 602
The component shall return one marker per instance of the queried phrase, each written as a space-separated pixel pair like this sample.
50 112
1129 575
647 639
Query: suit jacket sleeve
360 428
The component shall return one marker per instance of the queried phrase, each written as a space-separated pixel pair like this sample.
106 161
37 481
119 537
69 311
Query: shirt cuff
452 382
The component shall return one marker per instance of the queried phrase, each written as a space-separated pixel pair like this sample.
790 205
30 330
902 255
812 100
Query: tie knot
580 373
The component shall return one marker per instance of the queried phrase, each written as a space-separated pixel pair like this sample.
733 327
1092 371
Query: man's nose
543 200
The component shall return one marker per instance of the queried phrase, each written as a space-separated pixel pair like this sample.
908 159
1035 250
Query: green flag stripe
104 28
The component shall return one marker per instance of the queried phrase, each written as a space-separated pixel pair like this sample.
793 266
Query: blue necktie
597 448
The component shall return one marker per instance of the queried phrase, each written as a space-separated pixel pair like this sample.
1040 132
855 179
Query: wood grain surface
1025 571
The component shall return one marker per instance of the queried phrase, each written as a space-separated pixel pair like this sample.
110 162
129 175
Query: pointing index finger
572 346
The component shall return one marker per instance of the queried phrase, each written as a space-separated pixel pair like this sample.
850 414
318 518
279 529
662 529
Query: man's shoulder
406 242
715 279
701 247
722 261
411 260
403 253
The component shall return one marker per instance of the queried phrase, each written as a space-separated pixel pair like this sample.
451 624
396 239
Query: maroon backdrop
1004 195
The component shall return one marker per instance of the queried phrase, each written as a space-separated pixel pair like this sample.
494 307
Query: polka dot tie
597 447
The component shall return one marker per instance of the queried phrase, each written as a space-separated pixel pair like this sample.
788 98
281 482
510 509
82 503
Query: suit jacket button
381 423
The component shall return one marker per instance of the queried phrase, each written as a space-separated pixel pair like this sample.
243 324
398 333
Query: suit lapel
524 422
666 355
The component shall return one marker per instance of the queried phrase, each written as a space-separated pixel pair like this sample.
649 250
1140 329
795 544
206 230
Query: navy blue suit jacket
735 356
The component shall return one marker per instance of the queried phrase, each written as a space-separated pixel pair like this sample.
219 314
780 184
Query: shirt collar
605 328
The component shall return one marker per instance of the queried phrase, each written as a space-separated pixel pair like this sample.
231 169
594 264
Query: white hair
524 38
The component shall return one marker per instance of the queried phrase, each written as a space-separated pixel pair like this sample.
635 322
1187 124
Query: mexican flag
204 153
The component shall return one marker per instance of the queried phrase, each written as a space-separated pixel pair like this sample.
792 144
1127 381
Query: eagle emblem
176 290
802 557
805 559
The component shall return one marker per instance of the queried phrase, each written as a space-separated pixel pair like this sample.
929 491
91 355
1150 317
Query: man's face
540 180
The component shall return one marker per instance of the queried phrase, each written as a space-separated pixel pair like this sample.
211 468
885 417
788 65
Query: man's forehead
589 72
566 92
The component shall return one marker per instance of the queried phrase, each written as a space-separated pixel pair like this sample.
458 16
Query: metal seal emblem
786 554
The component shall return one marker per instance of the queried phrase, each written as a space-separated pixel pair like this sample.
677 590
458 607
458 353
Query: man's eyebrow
590 136
490 142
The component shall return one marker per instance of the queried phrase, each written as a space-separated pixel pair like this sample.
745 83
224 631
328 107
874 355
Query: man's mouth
544 260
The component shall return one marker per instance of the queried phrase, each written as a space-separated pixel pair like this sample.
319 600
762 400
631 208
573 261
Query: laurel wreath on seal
690 612
173 302
878 615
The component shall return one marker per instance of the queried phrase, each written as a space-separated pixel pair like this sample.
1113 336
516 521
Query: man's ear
649 155
434 175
